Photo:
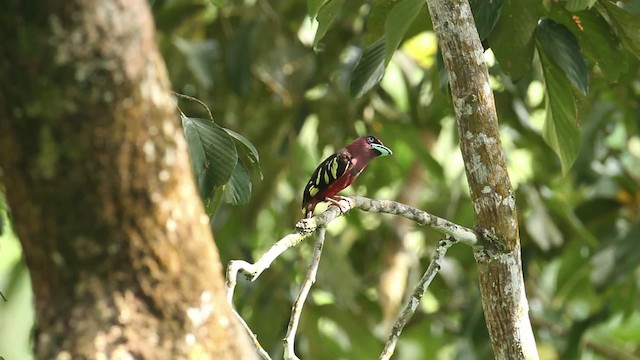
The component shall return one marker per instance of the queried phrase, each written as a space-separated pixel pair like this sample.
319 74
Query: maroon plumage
340 170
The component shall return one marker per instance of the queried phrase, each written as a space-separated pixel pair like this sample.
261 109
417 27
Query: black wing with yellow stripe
331 169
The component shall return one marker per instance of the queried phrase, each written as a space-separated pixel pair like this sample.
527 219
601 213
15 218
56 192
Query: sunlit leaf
561 47
398 21
512 38
213 154
560 129
369 70
218 3
326 16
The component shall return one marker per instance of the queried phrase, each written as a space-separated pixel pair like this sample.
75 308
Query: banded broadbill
340 170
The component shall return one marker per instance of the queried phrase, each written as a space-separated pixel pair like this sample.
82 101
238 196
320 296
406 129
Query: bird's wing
331 169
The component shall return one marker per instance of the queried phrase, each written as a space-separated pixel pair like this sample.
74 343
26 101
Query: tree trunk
97 175
499 266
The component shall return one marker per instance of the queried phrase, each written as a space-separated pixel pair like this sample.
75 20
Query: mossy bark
97 175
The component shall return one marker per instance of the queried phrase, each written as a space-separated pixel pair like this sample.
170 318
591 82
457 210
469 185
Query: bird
339 170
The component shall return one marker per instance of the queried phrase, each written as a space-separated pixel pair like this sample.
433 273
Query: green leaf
561 47
398 22
598 41
369 70
326 17
313 6
200 56
376 21
560 128
213 154
625 22
486 14
512 38
249 149
579 5
238 190
218 3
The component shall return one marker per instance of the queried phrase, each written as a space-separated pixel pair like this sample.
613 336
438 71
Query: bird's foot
337 201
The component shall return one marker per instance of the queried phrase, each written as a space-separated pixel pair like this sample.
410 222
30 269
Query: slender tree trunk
499 265
96 171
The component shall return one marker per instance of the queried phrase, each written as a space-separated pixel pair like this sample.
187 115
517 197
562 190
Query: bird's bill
383 150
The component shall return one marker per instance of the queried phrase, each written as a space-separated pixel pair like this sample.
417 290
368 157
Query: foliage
217 166
557 75
565 77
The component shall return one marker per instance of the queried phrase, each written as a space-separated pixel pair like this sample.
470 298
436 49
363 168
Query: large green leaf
561 47
560 128
626 24
213 154
369 70
597 40
249 150
313 6
398 22
486 14
327 14
238 190
377 19
512 38
579 5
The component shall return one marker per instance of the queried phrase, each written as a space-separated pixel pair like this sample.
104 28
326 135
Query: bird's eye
371 139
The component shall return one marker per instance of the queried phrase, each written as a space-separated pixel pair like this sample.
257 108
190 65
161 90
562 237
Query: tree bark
499 265
97 174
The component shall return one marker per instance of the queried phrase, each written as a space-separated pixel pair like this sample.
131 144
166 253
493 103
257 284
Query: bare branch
252 271
460 233
318 224
414 301
261 351
296 311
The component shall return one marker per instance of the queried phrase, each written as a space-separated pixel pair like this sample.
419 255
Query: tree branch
460 233
414 301
307 227
296 311
499 266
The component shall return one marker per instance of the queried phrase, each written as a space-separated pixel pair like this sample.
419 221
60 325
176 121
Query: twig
252 271
296 310
196 100
414 301
261 351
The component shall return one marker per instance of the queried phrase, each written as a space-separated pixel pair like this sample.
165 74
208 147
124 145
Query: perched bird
340 170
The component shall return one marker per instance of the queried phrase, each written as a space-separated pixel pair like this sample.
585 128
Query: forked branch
317 225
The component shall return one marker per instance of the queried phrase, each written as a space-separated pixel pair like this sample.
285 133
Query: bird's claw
337 201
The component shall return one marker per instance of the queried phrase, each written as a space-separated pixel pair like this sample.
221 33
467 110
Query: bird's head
368 147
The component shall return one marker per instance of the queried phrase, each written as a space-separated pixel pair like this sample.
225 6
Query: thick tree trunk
499 266
97 175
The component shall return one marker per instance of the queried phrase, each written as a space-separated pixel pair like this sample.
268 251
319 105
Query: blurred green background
256 66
